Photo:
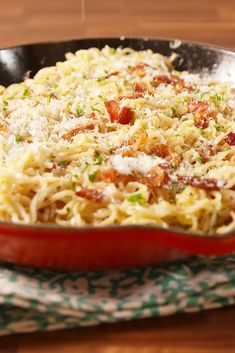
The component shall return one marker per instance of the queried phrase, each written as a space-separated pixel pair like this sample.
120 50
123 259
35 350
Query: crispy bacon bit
123 116
91 195
77 130
203 113
91 115
140 87
157 177
132 96
139 69
108 175
230 139
207 153
202 183
173 80
126 115
112 107
3 126
163 151
157 80
201 122
114 73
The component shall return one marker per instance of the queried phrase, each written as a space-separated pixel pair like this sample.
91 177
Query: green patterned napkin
42 300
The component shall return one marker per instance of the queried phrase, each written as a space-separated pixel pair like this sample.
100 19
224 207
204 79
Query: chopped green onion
92 177
25 93
216 99
63 164
198 159
96 110
99 160
18 138
137 198
218 127
79 111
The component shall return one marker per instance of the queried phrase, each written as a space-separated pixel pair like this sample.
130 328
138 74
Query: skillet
94 248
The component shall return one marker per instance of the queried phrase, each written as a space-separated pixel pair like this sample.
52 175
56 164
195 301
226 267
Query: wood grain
205 332
25 21
212 21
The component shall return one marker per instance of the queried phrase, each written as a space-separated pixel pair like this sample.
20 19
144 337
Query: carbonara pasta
117 136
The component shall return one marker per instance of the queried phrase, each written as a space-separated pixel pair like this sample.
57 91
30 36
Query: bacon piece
132 96
163 151
123 116
91 195
126 115
139 69
155 178
207 153
157 80
202 183
114 73
3 126
140 87
203 113
69 135
91 115
173 80
108 175
230 139
112 107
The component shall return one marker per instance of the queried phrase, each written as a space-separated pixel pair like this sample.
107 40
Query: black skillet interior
194 57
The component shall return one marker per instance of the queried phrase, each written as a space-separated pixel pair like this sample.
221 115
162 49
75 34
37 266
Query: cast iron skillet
108 247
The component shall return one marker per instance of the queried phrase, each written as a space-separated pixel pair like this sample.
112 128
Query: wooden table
212 21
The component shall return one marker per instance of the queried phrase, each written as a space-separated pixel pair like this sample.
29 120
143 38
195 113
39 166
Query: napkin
41 300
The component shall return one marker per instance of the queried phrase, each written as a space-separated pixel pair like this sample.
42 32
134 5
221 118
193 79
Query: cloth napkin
42 300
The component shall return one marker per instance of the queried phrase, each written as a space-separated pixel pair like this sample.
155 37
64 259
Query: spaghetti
117 136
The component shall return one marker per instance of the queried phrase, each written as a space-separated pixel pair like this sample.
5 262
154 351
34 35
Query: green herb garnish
87 166
63 164
18 138
79 111
92 177
198 159
137 198
25 93
99 160
216 99
96 110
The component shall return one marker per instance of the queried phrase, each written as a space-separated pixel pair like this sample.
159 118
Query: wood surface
211 21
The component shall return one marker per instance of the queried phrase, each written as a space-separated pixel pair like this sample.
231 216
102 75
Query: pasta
117 136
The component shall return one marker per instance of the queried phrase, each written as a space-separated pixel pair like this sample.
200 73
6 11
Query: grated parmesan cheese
140 164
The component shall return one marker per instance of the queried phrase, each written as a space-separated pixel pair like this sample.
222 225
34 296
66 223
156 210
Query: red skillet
109 247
